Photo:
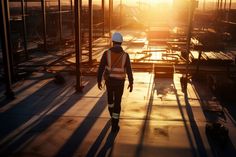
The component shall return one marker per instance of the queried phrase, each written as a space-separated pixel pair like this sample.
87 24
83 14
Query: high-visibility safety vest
116 64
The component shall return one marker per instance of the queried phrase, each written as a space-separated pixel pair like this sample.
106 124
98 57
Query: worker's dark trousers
114 95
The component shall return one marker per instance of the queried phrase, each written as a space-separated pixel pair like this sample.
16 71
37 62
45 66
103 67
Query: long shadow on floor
106 150
75 140
188 131
94 148
164 89
150 95
194 127
37 103
15 118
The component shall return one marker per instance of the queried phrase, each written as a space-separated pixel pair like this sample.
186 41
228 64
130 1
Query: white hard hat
117 37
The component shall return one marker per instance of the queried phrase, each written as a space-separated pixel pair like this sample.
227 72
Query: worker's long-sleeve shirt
103 64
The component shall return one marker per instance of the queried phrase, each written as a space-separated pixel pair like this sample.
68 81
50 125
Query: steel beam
44 24
6 47
77 44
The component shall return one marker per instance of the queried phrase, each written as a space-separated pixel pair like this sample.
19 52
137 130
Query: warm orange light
160 1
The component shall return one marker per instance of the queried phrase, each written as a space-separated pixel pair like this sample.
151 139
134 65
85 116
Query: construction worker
117 63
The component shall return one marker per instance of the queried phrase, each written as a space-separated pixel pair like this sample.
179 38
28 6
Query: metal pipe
77 8
6 48
60 20
90 30
44 24
24 28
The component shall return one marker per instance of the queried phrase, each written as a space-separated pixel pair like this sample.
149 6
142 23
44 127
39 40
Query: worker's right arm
101 68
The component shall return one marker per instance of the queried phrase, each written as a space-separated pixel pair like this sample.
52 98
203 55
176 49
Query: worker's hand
100 85
130 87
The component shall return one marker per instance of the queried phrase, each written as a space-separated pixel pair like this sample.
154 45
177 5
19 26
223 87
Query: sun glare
160 1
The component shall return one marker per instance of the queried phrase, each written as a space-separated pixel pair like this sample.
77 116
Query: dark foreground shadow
221 149
45 102
106 150
93 150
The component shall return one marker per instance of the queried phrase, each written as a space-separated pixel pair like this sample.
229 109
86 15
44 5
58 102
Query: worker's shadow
107 147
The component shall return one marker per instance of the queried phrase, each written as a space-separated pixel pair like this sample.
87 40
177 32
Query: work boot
115 127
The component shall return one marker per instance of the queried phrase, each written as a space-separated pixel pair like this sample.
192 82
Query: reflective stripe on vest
116 64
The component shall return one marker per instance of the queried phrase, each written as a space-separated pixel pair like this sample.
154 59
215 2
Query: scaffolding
41 34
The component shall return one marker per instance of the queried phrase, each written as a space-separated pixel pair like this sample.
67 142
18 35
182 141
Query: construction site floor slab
157 119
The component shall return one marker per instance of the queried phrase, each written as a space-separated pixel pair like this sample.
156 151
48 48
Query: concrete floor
157 119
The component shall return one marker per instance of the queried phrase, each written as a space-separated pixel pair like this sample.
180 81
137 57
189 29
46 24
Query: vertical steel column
71 9
90 30
230 4
221 4
24 28
221 9
103 17
6 47
204 5
228 15
225 6
189 33
110 17
60 20
121 10
77 8
26 7
44 24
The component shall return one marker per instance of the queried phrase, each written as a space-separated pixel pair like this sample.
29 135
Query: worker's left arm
129 73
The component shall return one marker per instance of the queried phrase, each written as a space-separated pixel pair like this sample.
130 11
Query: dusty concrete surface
157 119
